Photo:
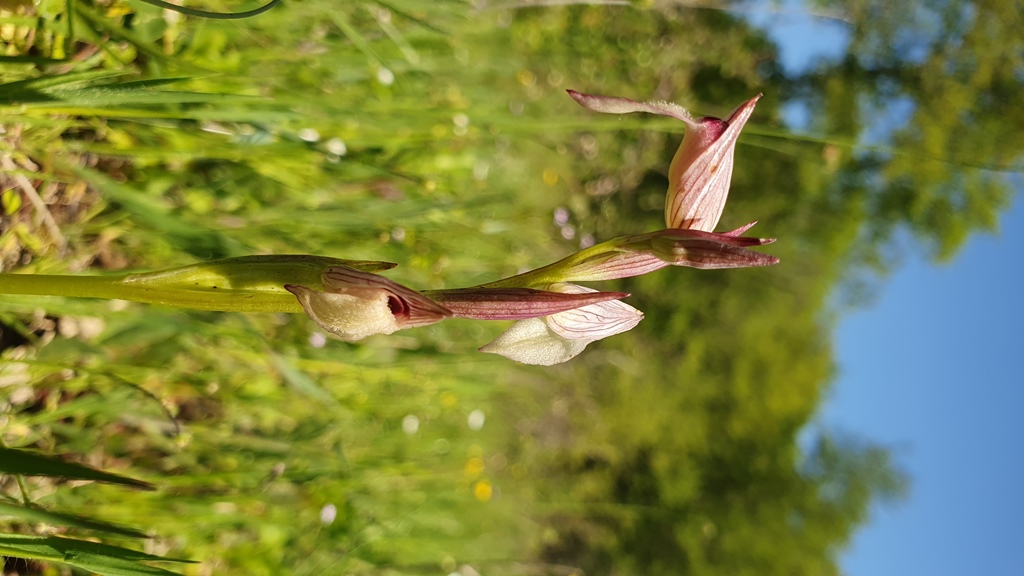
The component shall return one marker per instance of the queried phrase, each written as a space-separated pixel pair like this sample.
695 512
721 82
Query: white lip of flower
560 337
348 316
359 304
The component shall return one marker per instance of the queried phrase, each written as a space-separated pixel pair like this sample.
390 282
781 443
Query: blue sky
931 369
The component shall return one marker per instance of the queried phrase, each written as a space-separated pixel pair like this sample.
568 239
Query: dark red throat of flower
397 307
409 307
714 128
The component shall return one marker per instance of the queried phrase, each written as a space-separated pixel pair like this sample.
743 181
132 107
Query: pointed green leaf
34 514
110 566
99 558
13 461
44 83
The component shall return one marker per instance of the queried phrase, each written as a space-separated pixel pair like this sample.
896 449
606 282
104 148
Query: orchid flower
355 304
699 179
559 337
359 304
701 170
562 336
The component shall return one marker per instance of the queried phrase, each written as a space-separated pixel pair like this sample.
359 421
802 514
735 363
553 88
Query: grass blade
99 558
152 212
33 90
300 381
341 20
14 461
34 514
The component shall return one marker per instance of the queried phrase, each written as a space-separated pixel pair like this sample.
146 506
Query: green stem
119 287
20 479
213 15
246 284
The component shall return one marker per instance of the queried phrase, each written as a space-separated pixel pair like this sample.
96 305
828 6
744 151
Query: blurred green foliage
437 135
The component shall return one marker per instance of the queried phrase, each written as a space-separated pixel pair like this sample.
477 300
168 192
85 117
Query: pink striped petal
701 171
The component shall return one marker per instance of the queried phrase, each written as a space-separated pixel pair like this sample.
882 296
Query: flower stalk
244 284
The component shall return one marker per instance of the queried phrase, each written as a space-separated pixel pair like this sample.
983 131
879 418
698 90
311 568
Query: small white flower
328 514
475 421
336 146
410 424
309 135
317 340
385 76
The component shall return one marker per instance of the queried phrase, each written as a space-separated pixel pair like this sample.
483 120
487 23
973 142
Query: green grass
210 162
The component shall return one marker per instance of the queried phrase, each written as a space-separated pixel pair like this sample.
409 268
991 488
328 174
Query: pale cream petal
560 337
532 342
592 322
